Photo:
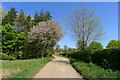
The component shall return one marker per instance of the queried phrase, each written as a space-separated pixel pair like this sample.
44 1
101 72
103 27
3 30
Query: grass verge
28 68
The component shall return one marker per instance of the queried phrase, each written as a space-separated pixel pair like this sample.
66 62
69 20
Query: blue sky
107 12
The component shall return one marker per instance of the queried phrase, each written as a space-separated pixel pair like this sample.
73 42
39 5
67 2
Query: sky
107 12
60 0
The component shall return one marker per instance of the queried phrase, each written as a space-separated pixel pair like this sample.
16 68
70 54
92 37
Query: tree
28 22
20 20
80 45
44 16
57 47
44 36
65 47
10 17
86 26
35 21
42 13
48 15
38 19
113 44
95 46
12 41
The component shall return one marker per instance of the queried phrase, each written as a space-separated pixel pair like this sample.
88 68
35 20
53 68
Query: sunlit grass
28 68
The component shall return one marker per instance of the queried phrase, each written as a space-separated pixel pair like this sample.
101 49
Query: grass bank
24 68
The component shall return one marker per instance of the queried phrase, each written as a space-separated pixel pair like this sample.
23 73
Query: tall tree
10 17
44 16
12 41
36 15
86 26
48 15
42 13
28 22
35 21
21 19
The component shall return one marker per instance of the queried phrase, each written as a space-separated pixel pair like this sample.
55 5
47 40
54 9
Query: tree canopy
10 17
86 26
44 36
95 46
113 44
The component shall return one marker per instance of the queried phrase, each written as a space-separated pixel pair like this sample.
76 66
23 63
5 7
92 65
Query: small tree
95 46
113 44
65 47
57 47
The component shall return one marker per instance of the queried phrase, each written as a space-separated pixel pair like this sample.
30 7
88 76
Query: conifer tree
10 17
21 19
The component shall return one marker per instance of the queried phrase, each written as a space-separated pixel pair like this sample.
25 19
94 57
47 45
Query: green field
23 68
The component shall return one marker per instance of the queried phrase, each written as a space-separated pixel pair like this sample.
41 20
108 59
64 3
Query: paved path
59 67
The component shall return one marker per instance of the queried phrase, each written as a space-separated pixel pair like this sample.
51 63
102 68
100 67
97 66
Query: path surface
59 67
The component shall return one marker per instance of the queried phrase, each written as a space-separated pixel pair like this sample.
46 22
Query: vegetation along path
59 67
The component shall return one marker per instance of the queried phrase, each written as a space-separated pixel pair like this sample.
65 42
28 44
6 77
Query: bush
7 57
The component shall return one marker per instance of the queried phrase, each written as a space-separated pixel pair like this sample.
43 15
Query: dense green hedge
107 58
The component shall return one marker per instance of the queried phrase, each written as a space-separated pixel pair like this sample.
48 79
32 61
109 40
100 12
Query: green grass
90 70
28 68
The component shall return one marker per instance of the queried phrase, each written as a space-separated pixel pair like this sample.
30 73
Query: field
22 68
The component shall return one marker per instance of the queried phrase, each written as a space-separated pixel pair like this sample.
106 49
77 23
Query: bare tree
65 47
86 26
57 47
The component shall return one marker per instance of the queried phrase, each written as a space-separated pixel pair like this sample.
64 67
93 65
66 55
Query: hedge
107 58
